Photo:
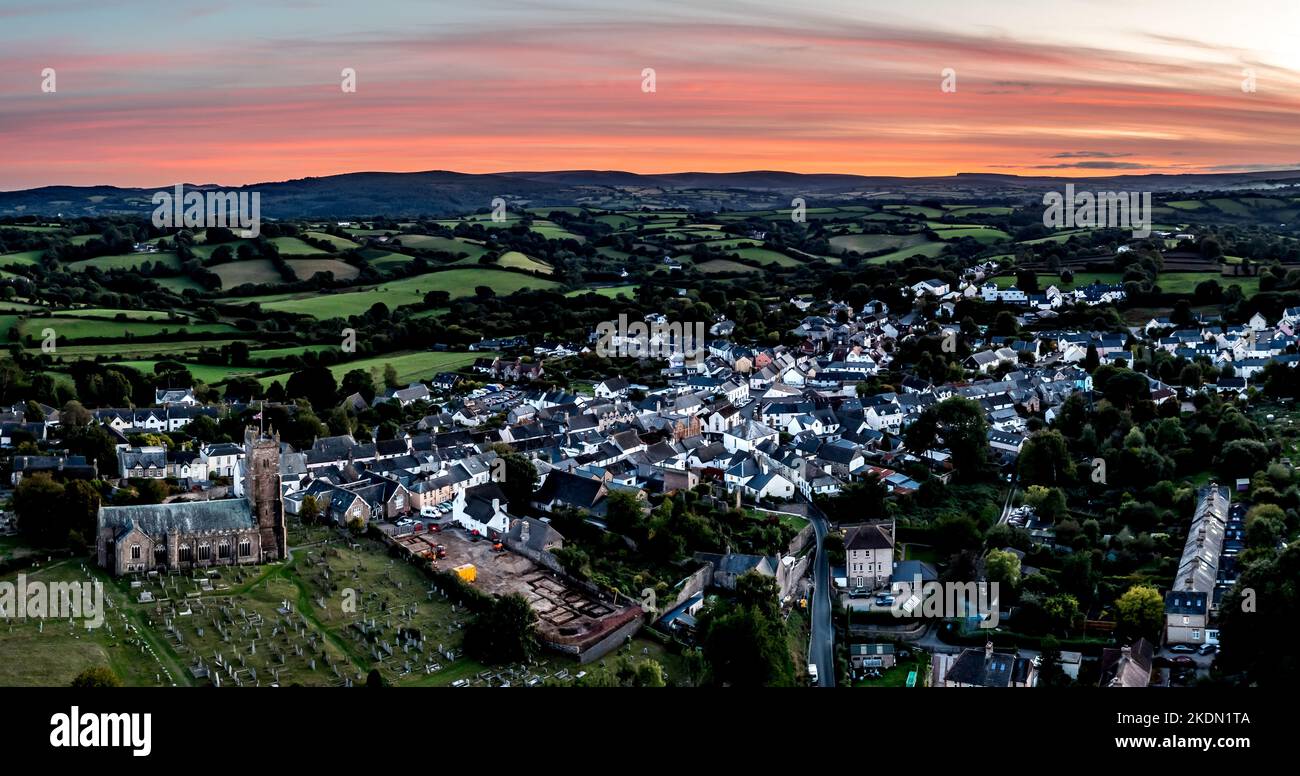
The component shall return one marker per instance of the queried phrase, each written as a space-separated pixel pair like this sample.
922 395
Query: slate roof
181 516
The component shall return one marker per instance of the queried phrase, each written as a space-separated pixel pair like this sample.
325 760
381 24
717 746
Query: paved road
1011 499
822 649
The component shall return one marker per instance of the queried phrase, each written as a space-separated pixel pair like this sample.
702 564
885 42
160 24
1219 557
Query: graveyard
326 617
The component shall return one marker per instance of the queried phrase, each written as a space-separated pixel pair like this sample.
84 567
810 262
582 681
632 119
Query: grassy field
1080 279
85 328
50 653
130 261
255 271
339 243
457 282
104 312
139 351
517 260
411 366
452 245
180 284
267 354
870 243
292 246
723 265
208 373
611 292
767 257
22 258
929 250
305 268
1186 282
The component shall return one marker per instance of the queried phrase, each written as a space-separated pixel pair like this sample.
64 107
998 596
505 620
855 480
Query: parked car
1208 649
858 592
884 600
1182 660
1183 648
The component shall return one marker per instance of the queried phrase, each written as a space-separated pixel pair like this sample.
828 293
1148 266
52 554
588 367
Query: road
1011 499
821 650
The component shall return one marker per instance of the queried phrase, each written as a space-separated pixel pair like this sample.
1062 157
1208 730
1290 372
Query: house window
205 552
223 550
186 553
135 552
1196 634
245 548
1186 620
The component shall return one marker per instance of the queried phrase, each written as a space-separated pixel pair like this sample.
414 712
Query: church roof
185 517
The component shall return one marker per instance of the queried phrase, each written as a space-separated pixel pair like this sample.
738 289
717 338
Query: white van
812 673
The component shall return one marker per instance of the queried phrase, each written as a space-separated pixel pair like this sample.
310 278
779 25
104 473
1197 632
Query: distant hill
444 193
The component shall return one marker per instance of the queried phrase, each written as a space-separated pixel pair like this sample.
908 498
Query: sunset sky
151 93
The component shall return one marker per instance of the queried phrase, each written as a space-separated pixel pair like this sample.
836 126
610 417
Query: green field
1186 282
22 258
517 260
130 261
723 265
255 271
410 366
138 350
103 312
928 250
767 257
180 284
306 268
870 243
611 292
452 245
85 328
208 373
292 246
1080 279
339 243
457 282
268 354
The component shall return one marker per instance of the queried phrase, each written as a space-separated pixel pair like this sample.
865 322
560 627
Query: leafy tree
1045 459
1264 604
316 384
1050 672
1003 568
98 676
503 632
1140 611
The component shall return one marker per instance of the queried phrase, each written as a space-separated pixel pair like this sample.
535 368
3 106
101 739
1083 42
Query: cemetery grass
51 657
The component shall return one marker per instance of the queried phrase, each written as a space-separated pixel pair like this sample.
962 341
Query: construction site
571 618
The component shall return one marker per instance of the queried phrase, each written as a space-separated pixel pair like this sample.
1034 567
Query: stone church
198 534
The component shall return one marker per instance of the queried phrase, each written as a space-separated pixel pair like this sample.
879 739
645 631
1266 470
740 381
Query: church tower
262 488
